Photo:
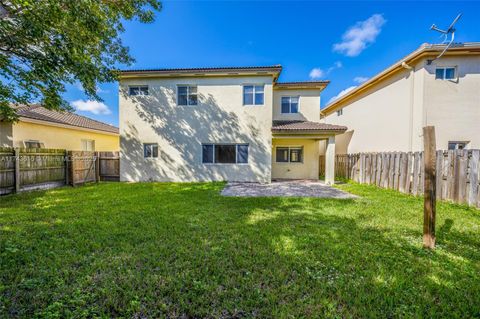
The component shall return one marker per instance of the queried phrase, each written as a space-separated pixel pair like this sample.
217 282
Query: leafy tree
45 44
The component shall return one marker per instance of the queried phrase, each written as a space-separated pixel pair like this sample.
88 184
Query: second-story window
445 74
187 95
253 95
138 90
289 104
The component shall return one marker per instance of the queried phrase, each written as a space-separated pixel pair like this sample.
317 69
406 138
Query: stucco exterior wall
6 139
306 170
391 115
62 138
382 118
308 106
453 106
219 117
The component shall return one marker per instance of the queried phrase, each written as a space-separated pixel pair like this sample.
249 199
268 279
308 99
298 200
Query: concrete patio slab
297 188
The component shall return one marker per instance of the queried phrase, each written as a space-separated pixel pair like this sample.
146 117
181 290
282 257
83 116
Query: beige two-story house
230 123
388 112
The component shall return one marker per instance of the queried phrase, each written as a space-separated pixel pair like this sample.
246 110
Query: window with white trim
187 95
88 145
289 104
150 150
289 154
225 153
340 112
445 73
457 145
253 94
33 144
138 90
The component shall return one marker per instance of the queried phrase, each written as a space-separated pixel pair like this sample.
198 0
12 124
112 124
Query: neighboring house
388 112
39 127
233 123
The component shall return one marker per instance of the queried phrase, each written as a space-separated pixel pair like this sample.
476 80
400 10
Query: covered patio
296 149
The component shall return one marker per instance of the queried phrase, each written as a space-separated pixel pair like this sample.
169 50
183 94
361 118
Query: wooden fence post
67 168
17 170
97 166
429 209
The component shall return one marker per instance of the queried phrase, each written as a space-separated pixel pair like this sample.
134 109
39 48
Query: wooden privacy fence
38 168
86 167
457 172
109 166
25 169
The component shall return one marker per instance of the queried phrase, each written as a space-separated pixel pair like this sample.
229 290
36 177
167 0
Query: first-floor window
225 153
289 154
457 145
33 144
150 150
88 145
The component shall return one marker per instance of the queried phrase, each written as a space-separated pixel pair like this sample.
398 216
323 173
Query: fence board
473 178
7 170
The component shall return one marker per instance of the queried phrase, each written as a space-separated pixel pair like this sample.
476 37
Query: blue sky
344 42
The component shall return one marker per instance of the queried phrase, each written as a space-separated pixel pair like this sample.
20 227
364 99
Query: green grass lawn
181 250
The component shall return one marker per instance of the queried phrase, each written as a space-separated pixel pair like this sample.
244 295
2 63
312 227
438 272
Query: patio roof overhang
305 130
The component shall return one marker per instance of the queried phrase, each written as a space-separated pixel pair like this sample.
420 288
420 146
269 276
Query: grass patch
173 250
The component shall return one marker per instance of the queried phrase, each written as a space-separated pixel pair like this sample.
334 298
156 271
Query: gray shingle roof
37 112
280 126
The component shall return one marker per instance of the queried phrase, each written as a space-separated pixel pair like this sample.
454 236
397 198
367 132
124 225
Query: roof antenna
445 33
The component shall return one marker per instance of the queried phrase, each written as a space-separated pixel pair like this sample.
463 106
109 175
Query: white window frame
86 141
188 86
254 92
140 93
458 142
150 157
444 68
289 147
340 112
33 141
290 104
236 154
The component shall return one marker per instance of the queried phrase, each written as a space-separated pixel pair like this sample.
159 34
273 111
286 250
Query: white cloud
360 79
316 73
342 93
358 37
94 107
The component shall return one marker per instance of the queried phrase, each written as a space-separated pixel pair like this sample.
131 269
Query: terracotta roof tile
279 126
208 69
37 112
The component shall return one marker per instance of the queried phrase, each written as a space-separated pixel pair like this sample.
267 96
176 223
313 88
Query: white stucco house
387 112
229 123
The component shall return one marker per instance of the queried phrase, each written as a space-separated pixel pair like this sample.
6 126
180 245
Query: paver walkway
295 188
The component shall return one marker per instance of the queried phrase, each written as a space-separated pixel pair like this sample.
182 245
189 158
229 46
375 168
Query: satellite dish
449 32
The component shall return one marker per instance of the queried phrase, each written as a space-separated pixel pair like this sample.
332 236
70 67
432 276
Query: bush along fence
457 172
23 169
